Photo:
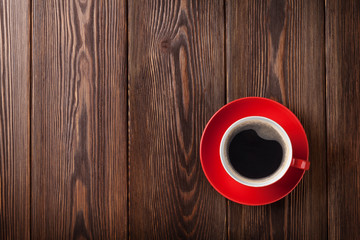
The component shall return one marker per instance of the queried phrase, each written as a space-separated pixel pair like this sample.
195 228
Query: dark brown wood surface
343 117
275 49
103 103
14 119
176 82
79 120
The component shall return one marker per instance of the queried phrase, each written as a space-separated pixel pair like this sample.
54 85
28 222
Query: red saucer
210 156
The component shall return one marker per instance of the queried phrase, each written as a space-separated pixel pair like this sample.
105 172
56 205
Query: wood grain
275 49
343 114
66 123
79 120
176 83
14 119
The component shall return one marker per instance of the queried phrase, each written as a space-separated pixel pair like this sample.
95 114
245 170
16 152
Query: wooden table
103 103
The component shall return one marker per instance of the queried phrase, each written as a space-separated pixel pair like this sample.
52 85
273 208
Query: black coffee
254 157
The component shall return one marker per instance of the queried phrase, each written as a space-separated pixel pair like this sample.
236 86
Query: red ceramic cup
266 129
234 116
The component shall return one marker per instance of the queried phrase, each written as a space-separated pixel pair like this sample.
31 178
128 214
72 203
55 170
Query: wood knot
165 45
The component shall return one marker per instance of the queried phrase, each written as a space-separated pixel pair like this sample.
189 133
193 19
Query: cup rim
261 182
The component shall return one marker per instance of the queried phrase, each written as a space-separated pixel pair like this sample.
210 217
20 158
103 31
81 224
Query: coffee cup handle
300 163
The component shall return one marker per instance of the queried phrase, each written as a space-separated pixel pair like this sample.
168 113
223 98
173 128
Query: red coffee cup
272 122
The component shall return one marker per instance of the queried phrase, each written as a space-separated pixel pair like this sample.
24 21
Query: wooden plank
275 49
343 114
14 119
79 120
176 83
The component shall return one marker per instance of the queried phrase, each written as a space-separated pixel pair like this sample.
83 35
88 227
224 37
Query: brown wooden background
103 102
